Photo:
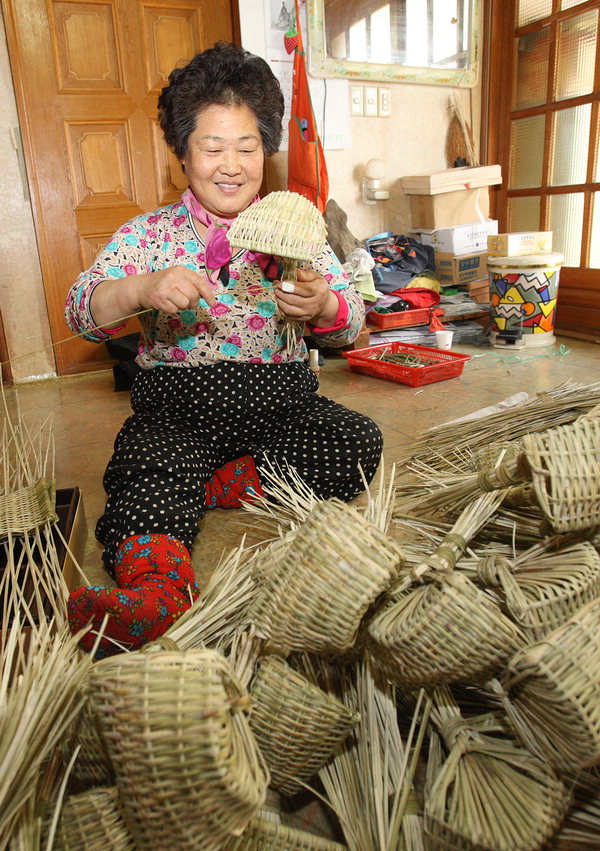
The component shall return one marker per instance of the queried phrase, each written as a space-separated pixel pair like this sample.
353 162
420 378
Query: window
544 89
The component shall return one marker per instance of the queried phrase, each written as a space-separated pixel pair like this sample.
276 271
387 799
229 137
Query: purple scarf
218 251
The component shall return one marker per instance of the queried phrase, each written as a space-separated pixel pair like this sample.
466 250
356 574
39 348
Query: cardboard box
454 270
462 239
452 179
449 208
516 244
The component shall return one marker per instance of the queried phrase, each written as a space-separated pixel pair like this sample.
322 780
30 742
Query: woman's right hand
173 289
170 290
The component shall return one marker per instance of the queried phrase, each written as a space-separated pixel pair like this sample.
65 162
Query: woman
219 393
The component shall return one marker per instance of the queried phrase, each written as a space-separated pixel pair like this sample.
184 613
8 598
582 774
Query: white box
462 239
516 244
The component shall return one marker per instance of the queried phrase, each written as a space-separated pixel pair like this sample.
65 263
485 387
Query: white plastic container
523 296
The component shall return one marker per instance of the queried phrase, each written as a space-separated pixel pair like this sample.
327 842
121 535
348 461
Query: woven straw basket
544 591
322 586
187 767
28 508
92 821
442 631
92 766
296 725
285 224
263 835
564 465
551 690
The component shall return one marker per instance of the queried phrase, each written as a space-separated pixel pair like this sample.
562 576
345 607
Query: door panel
87 78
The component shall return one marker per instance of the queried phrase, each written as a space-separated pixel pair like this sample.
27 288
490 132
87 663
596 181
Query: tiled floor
87 413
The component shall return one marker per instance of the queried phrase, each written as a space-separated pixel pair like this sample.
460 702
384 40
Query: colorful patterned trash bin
523 294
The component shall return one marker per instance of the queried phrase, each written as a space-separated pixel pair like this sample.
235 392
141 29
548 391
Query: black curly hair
224 74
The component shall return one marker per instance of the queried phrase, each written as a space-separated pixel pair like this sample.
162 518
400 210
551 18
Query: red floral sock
155 586
233 483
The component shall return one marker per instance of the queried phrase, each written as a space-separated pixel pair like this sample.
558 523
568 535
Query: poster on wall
330 97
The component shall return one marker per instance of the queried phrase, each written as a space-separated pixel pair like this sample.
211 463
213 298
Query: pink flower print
129 269
174 323
151 234
178 354
125 229
256 322
179 220
234 339
167 237
328 276
249 257
179 252
276 358
255 360
200 257
201 328
254 289
218 309
143 243
152 220
233 273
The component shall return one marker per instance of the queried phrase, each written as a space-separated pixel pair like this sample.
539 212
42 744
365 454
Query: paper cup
444 339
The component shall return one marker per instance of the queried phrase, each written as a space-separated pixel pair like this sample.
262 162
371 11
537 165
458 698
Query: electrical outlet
385 102
356 100
371 103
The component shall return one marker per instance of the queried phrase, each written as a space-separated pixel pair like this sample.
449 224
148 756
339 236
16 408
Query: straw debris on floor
422 667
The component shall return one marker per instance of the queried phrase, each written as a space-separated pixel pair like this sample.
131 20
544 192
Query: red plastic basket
445 364
404 318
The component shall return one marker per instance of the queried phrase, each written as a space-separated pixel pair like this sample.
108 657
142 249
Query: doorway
87 76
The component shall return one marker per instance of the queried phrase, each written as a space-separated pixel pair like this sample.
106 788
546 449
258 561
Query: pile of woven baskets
427 665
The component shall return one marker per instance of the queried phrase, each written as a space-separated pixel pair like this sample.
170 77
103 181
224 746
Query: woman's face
225 158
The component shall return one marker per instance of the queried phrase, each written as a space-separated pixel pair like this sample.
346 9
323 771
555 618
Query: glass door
544 77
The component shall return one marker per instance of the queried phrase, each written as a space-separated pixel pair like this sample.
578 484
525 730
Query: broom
286 225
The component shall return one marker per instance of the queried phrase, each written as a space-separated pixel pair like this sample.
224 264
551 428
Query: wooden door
87 77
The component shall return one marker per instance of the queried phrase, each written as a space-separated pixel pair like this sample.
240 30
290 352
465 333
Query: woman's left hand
311 301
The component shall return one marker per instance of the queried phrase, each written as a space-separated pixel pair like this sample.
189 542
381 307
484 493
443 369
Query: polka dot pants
187 422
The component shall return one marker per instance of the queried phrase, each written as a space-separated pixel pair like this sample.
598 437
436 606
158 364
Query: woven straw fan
286 225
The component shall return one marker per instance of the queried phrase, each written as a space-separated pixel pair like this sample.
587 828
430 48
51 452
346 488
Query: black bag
398 259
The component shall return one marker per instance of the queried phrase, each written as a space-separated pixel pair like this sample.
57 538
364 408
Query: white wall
411 141
22 301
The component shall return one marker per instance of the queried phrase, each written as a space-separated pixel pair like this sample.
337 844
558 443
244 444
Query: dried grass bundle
221 610
369 781
37 707
446 447
296 724
444 629
485 792
92 766
92 821
288 500
551 691
317 593
186 764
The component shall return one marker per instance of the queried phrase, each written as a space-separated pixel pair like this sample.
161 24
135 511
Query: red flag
307 170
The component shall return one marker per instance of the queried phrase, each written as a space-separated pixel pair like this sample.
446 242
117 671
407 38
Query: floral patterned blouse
242 326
